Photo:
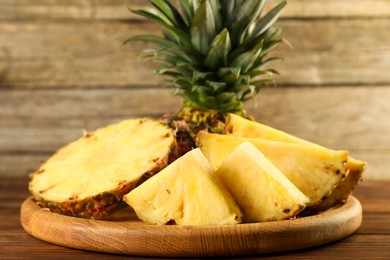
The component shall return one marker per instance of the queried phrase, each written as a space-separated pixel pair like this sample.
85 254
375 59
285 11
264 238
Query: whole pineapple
213 53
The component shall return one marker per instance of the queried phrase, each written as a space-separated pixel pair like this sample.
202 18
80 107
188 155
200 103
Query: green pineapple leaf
247 59
247 14
178 34
203 28
267 21
214 51
217 56
169 12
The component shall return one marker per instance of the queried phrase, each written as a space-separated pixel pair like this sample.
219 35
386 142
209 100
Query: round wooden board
125 234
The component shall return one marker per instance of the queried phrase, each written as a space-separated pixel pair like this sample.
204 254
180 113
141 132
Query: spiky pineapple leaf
212 47
203 28
247 14
267 21
216 86
170 12
247 59
217 56
178 34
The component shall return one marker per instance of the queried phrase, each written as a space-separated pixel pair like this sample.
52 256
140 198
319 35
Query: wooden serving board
125 234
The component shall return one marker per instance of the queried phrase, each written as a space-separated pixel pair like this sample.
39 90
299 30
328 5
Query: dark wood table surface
371 241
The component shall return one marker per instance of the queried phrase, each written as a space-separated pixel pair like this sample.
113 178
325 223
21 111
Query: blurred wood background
63 68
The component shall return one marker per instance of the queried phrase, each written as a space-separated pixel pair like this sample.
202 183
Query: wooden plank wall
63 69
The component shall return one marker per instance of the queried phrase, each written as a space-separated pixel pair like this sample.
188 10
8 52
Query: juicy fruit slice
315 171
88 177
260 189
241 127
345 188
187 192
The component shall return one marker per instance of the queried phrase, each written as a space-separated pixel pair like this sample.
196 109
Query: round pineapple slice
88 177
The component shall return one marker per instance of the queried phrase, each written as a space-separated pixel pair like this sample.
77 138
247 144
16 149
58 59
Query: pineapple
314 171
260 189
215 55
212 53
241 127
187 192
88 177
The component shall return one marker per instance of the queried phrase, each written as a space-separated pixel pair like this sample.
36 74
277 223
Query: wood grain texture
105 9
136 238
88 54
370 241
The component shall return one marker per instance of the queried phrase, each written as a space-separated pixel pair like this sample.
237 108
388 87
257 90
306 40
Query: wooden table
371 241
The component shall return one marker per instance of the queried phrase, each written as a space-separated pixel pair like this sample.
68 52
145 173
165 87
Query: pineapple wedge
187 192
259 188
241 127
88 177
313 170
345 188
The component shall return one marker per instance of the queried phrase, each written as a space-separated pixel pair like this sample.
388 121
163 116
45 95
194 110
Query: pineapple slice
345 188
260 189
88 177
241 127
314 170
187 192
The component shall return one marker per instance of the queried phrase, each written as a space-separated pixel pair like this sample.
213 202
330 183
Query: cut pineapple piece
314 170
187 192
346 186
241 127
88 177
260 189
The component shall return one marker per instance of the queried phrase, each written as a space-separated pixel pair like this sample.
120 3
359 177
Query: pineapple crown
213 51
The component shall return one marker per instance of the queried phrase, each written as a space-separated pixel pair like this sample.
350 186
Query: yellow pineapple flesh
187 192
241 127
315 171
260 189
345 188
88 177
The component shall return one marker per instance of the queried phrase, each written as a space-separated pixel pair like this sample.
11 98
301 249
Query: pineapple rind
260 189
187 192
341 193
314 170
88 177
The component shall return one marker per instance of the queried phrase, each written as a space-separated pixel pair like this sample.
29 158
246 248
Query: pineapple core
260 189
187 192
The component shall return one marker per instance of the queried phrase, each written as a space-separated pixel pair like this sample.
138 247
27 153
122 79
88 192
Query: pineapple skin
341 193
187 123
260 189
103 203
98 206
